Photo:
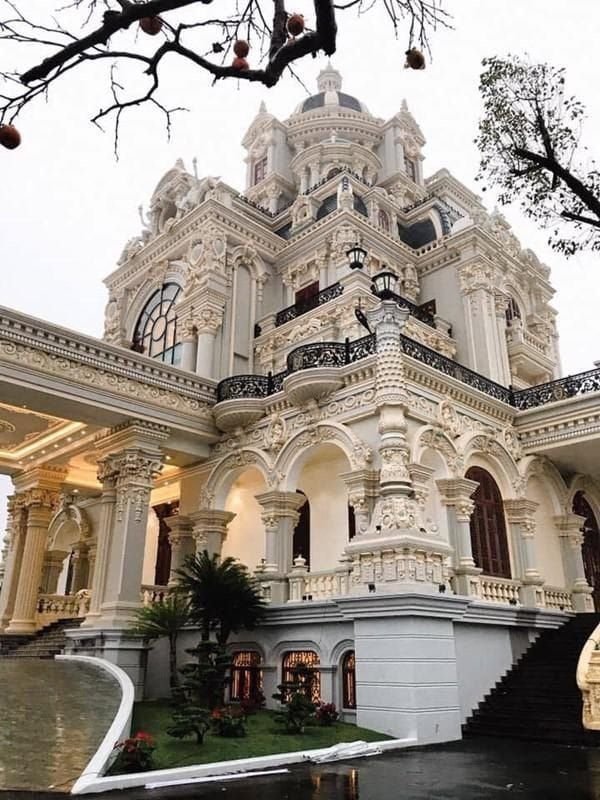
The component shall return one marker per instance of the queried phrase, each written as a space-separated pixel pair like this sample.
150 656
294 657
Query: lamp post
384 285
356 256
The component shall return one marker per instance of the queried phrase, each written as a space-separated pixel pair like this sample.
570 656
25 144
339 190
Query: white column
279 516
40 504
189 345
107 478
456 495
133 459
182 543
520 514
210 529
208 322
15 533
571 539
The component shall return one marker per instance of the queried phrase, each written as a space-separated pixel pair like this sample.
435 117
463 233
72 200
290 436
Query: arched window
349 680
512 310
301 541
333 172
351 523
156 332
302 666
246 676
590 547
384 220
488 527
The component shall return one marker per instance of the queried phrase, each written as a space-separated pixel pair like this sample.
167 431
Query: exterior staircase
46 643
538 699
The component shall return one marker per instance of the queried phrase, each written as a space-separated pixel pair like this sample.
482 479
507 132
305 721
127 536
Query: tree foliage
529 140
165 618
79 32
224 598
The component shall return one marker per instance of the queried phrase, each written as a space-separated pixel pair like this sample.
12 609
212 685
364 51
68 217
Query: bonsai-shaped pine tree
189 719
295 696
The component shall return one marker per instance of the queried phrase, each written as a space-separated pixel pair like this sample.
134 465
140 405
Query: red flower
145 737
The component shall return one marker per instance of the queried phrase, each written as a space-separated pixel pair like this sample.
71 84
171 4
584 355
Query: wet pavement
53 716
476 769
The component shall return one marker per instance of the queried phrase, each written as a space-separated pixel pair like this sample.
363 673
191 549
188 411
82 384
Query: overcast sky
67 206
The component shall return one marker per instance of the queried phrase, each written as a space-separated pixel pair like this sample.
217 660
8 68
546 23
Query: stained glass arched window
302 666
488 526
246 676
349 680
156 333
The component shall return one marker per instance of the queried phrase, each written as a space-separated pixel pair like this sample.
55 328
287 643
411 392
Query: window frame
160 309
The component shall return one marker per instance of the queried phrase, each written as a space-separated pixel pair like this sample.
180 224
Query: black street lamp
356 256
384 284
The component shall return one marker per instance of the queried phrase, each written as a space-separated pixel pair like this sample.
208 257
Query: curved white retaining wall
119 729
220 770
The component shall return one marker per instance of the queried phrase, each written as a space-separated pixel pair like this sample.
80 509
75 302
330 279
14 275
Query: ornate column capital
210 528
278 505
457 493
521 512
570 526
180 528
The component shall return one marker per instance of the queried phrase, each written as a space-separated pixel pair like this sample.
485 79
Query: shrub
253 704
189 719
326 713
135 753
229 722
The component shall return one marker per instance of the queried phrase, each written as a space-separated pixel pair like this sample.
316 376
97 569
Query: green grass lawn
265 736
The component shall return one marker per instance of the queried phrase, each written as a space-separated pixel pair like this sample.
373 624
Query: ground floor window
349 680
302 666
246 676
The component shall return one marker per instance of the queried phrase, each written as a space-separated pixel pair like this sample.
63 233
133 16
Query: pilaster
520 514
15 534
363 489
571 538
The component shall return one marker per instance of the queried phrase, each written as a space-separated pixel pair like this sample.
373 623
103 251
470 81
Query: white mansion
347 377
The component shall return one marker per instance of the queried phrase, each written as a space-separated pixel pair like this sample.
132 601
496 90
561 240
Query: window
246 676
260 170
302 666
301 540
590 547
156 332
512 310
410 168
351 523
349 680
333 172
162 565
306 298
488 528
384 220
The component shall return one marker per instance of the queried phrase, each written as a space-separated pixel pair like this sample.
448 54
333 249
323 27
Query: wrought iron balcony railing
339 354
424 312
560 389
296 310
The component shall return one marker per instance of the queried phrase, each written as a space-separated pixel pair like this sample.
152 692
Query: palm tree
164 618
223 596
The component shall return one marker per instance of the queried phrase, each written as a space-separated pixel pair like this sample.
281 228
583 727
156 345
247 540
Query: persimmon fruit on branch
216 38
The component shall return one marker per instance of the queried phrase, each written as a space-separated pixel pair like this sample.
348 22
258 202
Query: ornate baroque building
397 460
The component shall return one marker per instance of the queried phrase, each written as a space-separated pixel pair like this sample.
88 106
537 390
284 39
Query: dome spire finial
329 79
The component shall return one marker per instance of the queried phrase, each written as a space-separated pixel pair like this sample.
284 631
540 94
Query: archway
590 548
246 532
301 542
488 526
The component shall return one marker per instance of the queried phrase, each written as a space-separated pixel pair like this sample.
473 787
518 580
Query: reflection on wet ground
53 716
483 769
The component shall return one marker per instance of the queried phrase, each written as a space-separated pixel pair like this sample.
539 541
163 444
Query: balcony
298 309
528 354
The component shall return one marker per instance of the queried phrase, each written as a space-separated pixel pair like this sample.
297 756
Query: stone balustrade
499 590
558 599
53 607
152 594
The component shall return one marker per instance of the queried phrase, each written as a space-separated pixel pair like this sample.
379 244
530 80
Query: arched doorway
246 676
301 543
590 548
488 526
349 680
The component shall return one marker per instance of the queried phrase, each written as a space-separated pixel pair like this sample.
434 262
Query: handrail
303 307
560 389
